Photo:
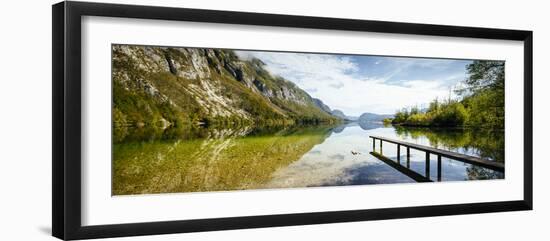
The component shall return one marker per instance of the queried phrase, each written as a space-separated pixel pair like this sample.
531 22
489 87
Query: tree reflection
480 173
485 143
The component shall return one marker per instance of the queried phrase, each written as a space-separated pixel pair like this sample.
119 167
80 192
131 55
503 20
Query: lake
221 159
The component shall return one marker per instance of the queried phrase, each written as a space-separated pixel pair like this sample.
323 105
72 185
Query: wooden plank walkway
498 166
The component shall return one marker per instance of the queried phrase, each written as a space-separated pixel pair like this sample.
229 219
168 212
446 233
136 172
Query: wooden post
399 153
380 147
373 144
428 165
408 157
439 168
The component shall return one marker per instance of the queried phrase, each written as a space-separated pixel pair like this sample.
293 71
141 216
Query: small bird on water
355 153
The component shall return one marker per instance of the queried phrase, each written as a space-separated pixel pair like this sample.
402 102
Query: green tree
484 94
484 75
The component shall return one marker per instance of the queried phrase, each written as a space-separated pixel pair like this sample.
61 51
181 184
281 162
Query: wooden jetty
497 166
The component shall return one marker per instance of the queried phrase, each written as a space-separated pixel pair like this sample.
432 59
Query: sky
357 84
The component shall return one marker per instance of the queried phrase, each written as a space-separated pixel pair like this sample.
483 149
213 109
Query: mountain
336 113
371 117
166 87
319 103
340 114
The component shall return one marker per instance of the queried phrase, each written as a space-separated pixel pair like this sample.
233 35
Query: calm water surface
248 158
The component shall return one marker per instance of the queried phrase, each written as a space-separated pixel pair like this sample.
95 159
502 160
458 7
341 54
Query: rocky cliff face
176 86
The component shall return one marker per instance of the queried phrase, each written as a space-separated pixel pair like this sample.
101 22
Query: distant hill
371 117
336 113
319 103
340 114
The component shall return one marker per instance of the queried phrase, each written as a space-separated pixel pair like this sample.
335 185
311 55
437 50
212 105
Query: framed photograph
170 120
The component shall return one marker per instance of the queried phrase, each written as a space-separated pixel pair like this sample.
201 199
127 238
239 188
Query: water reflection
240 158
337 165
483 143
487 144
218 159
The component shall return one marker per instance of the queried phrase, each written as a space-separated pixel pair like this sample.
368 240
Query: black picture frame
66 168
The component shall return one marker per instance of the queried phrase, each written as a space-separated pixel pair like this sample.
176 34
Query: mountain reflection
210 159
219 159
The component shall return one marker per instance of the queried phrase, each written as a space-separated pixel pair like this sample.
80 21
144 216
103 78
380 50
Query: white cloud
303 65
336 82
420 84
359 96
337 85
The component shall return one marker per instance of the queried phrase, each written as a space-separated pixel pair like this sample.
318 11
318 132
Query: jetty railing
497 166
